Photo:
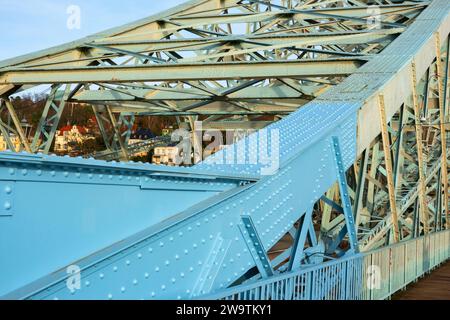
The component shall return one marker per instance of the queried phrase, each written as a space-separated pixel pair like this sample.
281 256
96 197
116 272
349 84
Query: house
166 156
69 137
15 141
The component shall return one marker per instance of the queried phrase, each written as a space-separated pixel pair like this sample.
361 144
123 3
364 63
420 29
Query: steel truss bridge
356 89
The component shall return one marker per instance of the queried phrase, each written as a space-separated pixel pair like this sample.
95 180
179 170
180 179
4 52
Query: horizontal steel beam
182 72
349 12
218 108
235 125
343 37
275 92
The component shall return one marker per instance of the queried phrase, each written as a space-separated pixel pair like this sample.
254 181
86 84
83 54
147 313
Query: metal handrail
353 277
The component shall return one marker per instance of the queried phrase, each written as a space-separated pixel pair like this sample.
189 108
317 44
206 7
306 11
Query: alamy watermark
373 17
373 274
254 148
73 282
74 17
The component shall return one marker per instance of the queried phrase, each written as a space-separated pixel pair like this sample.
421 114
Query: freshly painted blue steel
174 257
298 248
50 235
343 187
352 278
256 248
161 242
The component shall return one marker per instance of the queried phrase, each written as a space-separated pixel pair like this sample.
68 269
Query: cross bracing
360 101
233 58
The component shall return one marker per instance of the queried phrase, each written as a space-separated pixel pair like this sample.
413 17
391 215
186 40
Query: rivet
8 189
7 205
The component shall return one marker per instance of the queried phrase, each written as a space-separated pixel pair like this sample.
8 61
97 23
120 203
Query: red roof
93 119
81 129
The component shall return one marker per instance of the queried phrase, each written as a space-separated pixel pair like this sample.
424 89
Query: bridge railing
372 275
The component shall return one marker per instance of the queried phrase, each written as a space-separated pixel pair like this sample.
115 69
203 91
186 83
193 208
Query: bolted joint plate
7 198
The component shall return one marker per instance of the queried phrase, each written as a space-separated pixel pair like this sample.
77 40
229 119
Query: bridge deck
435 286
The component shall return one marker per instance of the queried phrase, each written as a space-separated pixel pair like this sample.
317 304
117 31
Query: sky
30 25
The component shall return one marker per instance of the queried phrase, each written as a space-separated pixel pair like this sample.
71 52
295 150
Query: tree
88 146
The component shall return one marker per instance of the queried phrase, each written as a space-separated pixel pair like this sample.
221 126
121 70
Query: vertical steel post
423 211
346 204
5 131
52 121
444 172
17 124
399 143
388 163
360 185
300 239
116 129
100 117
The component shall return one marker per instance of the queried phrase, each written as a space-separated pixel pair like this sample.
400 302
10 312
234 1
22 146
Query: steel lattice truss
233 60
357 101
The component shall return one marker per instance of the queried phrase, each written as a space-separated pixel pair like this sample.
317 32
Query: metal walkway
354 177
435 286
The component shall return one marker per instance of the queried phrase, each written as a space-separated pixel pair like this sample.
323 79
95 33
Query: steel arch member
362 163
